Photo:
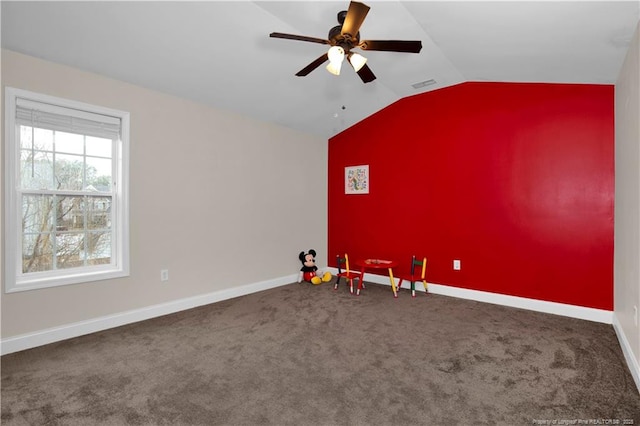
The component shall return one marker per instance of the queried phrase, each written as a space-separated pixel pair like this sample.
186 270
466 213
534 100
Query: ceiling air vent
422 84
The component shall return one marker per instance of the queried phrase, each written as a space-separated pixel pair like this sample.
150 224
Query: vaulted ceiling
220 53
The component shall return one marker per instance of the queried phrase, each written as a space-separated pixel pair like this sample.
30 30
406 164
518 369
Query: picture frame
356 179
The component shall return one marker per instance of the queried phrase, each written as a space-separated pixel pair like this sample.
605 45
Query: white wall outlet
164 275
635 315
456 265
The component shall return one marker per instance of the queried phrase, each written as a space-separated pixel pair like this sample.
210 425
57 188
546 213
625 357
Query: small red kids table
377 265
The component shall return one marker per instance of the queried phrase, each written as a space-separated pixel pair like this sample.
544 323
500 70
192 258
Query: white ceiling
220 53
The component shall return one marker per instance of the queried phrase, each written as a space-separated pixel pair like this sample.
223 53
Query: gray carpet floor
308 355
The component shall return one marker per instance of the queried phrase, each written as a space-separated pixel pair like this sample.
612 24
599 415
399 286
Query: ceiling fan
345 37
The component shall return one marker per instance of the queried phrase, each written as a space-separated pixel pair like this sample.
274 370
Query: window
66 195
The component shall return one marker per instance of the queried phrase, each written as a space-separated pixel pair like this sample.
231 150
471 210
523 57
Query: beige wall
627 196
219 199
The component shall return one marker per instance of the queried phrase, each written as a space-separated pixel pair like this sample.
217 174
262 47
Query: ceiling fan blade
355 16
366 75
392 45
299 38
313 65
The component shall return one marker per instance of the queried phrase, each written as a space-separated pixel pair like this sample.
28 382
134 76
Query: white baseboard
55 334
580 312
632 361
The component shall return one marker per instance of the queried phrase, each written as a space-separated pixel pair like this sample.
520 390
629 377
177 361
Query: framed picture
356 180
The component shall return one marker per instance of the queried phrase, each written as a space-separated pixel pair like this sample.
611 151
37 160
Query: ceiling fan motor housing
346 41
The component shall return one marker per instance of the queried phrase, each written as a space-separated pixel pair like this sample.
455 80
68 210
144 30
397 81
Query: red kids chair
347 273
416 275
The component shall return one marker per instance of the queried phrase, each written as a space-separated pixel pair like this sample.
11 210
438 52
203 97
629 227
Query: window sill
62 279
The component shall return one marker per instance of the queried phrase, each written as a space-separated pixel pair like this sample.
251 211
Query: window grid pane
37 213
69 172
62 230
65 164
37 253
82 227
36 169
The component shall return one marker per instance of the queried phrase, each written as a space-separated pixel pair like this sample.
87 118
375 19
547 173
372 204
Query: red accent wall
514 179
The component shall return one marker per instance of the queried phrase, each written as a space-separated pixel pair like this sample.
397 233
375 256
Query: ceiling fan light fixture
334 67
336 56
357 60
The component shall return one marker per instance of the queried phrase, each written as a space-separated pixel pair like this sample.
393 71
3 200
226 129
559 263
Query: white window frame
15 279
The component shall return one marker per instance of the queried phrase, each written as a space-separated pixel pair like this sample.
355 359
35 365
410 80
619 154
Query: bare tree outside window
66 182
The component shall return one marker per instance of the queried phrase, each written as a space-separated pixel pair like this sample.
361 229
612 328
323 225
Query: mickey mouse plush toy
309 268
